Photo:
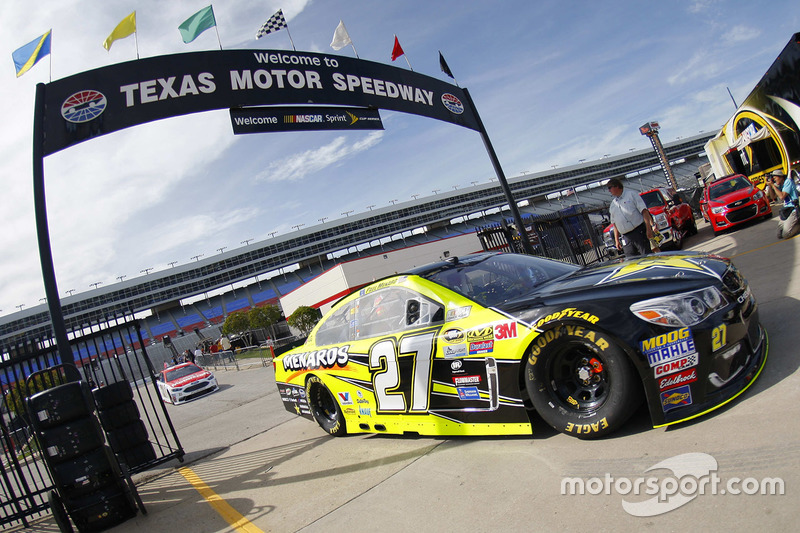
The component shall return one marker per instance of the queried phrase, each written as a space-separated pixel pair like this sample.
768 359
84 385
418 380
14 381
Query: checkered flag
274 23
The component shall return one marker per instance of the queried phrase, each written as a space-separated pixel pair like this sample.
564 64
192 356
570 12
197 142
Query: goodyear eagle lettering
337 356
552 334
585 429
569 312
388 89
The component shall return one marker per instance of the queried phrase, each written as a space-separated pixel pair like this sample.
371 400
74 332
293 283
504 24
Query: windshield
182 372
653 199
718 190
500 278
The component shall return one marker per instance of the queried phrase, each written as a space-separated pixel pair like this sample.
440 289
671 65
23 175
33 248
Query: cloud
298 166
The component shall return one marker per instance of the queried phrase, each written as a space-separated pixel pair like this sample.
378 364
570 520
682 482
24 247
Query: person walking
633 224
786 192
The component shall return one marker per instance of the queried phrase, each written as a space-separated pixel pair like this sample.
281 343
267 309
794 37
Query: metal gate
574 235
104 353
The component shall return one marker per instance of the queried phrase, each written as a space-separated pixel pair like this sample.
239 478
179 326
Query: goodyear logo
672 399
570 312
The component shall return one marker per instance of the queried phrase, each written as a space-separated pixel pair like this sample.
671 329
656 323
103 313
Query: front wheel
324 407
580 382
677 238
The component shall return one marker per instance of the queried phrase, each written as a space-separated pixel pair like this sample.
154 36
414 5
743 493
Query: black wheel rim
324 404
578 378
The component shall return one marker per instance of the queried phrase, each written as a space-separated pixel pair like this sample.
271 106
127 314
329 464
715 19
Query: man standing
786 192
631 219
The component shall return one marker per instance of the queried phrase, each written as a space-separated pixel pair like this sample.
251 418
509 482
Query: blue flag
27 56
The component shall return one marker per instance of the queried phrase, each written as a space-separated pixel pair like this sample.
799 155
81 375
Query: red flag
397 51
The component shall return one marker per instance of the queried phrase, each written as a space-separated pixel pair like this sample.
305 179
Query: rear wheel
581 382
324 408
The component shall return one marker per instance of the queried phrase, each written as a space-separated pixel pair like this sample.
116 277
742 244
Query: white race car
185 382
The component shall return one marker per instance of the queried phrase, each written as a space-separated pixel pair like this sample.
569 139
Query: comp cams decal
675 366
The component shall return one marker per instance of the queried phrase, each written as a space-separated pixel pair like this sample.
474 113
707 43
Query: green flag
197 24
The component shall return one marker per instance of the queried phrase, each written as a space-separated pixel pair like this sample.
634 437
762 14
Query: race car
733 200
472 345
185 382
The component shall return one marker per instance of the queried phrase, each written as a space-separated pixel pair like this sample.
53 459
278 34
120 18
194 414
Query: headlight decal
680 310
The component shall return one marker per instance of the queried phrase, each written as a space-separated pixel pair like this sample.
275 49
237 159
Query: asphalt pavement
252 466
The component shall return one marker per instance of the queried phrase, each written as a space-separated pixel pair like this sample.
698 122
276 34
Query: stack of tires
125 431
90 486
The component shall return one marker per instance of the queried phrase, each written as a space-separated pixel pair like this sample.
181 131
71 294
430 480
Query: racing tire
324 408
581 382
59 512
112 394
119 415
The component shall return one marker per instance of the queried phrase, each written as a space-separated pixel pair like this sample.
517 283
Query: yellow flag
125 28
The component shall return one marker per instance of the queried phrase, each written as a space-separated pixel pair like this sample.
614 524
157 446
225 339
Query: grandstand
280 265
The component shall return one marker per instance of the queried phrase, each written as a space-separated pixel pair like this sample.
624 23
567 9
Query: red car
733 200
673 217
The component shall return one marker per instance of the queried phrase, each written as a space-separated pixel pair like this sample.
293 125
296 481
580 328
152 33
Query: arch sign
108 99
119 96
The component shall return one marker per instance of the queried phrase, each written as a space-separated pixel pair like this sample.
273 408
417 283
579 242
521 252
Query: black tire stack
90 486
125 430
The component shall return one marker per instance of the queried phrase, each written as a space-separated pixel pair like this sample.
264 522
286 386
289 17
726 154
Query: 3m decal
506 330
570 312
672 399
682 378
668 346
675 366
468 393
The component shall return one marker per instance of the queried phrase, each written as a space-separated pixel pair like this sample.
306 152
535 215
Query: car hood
733 196
185 380
637 277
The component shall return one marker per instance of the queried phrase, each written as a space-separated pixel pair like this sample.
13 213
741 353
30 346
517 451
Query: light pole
323 219
298 226
220 250
370 207
120 278
197 257
272 234
347 213
70 291
96 284
146 271
246 241
172 263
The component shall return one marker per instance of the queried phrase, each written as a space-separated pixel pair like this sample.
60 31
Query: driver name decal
318 359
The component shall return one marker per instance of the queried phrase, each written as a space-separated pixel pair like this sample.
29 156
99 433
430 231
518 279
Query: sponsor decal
338 356
668 346
457 350
453 335
570 312
83 106
378 286
506 330
301 119
468 393
345 398
362 400
365 411
459 313
481 333
349 411
456 365
481 347
672 399
682 378
452 103
466 380
675 366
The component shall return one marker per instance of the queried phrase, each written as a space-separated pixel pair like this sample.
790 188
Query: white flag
340 37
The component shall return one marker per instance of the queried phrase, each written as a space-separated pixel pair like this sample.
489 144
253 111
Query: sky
554 82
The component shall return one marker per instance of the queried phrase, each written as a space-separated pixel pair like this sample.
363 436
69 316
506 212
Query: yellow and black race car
471 345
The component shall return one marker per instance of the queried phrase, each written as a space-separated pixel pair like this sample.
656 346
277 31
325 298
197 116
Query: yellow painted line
223 508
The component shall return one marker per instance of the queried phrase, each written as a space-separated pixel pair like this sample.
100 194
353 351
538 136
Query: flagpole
290 38
407 61
51 55
216 29
354 49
